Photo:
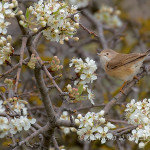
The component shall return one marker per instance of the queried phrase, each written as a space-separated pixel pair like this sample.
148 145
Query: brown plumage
122 66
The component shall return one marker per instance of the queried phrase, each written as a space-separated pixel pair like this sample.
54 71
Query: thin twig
24 41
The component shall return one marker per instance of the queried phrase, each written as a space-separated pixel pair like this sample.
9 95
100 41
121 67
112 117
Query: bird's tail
148 52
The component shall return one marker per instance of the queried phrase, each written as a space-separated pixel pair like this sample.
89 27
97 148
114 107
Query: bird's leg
121 88
137 78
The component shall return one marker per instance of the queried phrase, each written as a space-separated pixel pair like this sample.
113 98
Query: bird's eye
107 53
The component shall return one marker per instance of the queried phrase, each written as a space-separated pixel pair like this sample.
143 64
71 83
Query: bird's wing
124 59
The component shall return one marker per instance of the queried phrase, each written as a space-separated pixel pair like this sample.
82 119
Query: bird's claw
122 91
137 78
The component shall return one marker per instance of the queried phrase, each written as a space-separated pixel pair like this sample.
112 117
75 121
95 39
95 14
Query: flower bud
66 39
43 23
12 15
13 1
76 38
102 120
16 4
30 8
73 129
35 13
141 145
77 122
3 38
69 88
68 24
22 17
21 22
19 12
41 18
56 31
79 116
8 44
11 5
1 43
61 42
72 29
35 30
76 25
101 112
117 12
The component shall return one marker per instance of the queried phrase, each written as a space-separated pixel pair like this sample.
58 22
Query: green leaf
27 14
80 89
56 12
25 25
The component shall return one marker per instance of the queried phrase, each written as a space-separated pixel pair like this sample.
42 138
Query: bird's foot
122 91
121 88
137 78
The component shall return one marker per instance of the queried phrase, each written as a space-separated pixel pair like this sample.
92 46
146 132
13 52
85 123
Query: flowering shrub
14 120
32 62
55 64
138 114
55 17
93 126
6 12
86 73
109 16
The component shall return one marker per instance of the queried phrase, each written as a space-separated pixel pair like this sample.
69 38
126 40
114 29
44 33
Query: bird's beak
99 54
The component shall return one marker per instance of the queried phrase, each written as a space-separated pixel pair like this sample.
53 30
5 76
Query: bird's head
106 56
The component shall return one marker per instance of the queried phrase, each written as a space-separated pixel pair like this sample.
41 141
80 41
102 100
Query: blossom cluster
93 126
5 49
138 114
55 64
86 70
15 118
32 61
6 12
55 17
109 16
9 82
65 116
79 3
86 73
73 92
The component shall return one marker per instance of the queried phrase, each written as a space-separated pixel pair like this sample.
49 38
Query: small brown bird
122 66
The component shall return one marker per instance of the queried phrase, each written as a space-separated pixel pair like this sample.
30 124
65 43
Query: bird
124 67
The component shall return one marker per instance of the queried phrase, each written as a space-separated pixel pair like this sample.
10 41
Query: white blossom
86 73
91 96
137 114
14 124
79 3
85 69
109 16
54 16
93 126
65 116
141 145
